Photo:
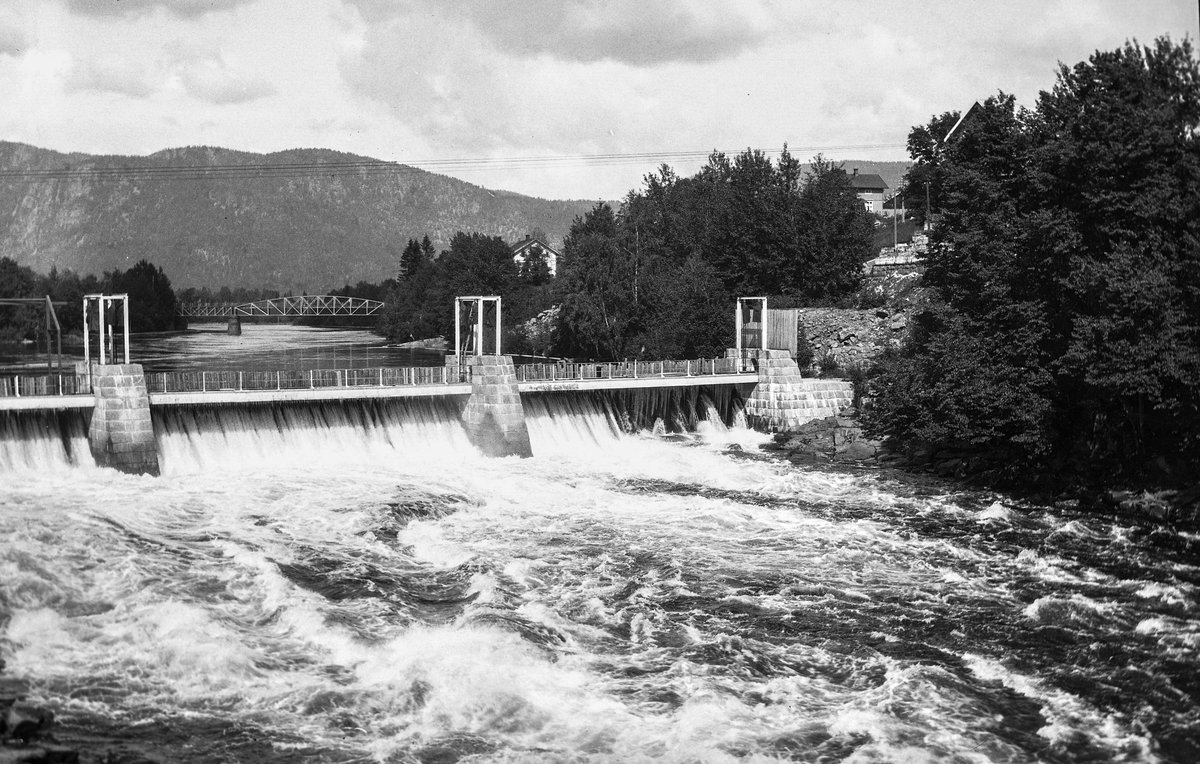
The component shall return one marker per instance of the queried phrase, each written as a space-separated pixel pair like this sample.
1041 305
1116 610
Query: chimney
855 171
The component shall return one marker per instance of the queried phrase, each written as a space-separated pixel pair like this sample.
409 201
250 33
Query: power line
256 170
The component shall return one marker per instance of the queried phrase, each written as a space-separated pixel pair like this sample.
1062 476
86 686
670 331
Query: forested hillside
301 220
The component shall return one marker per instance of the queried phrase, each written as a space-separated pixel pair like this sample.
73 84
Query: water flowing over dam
338 582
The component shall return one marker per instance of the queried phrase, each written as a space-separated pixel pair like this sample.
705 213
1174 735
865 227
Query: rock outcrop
832 439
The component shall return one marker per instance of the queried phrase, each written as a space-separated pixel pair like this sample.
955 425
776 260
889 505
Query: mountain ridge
298 219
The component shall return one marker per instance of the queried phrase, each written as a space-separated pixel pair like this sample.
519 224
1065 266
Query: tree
18 322
416 256
1066 267
600 313
535 267
410 259
422 305
151 299
923 177
834 235
1119 140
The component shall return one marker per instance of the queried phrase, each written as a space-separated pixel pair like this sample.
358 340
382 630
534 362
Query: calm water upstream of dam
354 583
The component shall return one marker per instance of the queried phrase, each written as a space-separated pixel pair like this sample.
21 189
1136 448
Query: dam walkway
69 391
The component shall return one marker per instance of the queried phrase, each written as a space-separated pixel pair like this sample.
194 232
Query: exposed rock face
853 335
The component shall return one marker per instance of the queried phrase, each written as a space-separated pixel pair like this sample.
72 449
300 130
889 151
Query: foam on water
360 582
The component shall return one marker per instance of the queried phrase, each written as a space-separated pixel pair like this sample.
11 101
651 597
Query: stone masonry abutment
783 400
494 417
121 434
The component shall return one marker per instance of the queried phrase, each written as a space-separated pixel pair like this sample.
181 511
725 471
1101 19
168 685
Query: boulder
844 436
858 451
23 721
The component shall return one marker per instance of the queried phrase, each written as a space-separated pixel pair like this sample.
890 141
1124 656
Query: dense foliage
421 304
1065 329
660 277
151 299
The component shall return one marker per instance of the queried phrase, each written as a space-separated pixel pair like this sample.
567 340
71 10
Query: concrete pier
234 327
494 418
783 400
121 434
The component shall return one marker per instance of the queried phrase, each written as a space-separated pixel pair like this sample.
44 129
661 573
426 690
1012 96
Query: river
341 584
260 347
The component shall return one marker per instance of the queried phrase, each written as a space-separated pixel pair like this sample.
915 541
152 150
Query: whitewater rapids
337 585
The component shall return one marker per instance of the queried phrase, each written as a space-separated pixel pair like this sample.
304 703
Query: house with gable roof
532 245
870 189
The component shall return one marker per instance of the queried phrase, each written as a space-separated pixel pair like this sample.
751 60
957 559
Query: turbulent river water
341 583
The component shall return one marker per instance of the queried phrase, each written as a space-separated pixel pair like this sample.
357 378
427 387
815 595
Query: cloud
113 75
12 41
440 79
185 8
634 32
211 77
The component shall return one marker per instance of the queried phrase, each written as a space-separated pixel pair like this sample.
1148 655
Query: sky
559 99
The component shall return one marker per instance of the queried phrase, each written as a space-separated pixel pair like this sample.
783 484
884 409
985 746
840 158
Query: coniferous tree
151 299
410 259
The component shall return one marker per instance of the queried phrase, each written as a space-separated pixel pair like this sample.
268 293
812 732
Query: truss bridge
307 305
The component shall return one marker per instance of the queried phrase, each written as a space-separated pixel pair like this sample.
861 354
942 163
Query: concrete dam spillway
200 435
487 392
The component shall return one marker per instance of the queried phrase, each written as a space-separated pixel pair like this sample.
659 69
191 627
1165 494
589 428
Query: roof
870 181
975 108
523 243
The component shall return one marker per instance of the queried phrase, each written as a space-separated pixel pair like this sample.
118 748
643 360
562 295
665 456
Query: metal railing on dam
314 379
180 387
32 385
553 372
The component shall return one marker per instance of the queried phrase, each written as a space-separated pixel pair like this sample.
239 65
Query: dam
123 408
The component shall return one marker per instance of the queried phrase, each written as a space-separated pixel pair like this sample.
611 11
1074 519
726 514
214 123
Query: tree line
152 301
1062 333
421 304
657 277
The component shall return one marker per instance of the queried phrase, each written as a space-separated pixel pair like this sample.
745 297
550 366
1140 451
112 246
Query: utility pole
928 212
899 197
895 243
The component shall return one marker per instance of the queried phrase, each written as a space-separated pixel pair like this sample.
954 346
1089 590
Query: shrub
829 365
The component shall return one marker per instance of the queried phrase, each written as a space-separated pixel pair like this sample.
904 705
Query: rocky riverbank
837 439
840 440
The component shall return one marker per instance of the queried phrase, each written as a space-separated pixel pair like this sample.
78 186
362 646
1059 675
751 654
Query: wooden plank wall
781 330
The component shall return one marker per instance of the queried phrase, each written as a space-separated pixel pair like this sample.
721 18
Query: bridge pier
121 434
494 417
234 327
